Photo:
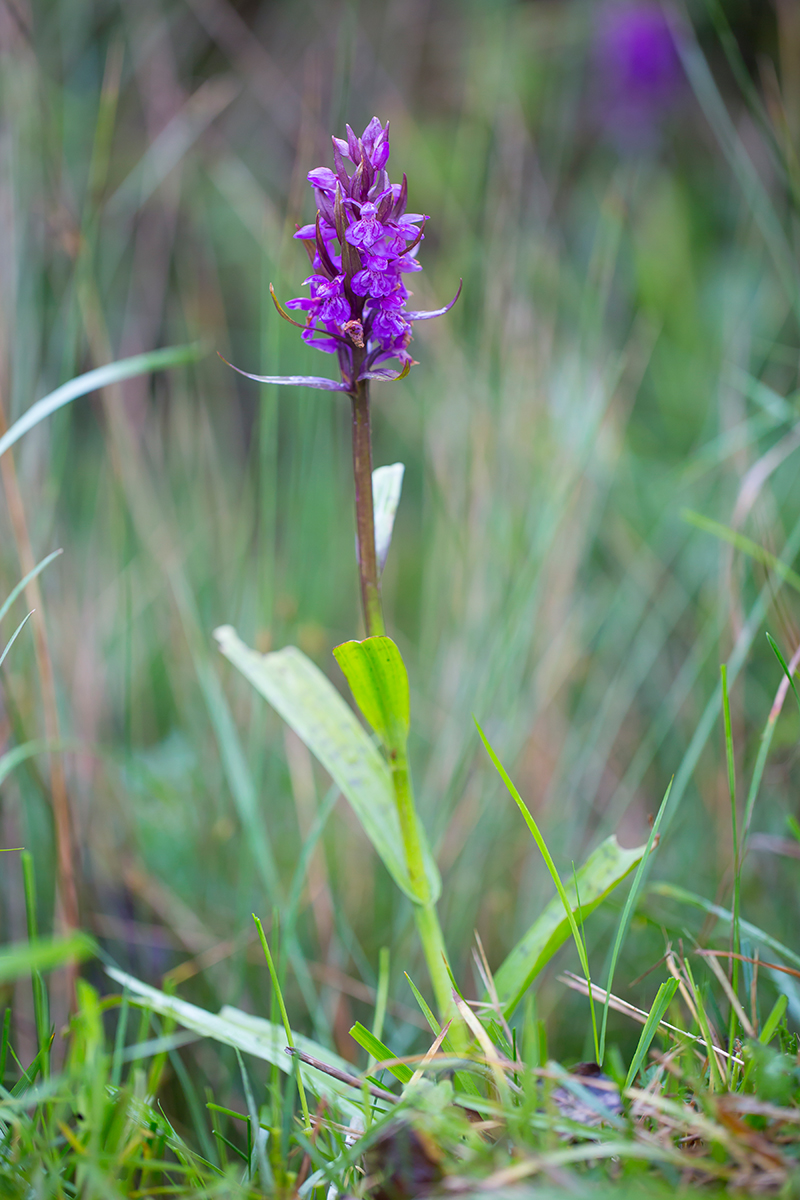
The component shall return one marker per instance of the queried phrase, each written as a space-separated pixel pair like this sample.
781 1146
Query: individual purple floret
361 245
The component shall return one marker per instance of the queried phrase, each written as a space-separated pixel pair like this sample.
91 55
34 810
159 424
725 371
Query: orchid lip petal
313 381
436 312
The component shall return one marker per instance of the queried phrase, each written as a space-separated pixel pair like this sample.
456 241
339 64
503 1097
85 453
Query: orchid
361 244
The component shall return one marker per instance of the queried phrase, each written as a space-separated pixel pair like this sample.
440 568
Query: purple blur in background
638 71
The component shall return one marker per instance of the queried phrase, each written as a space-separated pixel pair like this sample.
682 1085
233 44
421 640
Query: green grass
624 350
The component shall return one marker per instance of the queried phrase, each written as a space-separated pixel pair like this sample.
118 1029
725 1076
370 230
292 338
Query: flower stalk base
365 517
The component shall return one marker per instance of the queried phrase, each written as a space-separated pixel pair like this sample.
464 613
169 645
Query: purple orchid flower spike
361 245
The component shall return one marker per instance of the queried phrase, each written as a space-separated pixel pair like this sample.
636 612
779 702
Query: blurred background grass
626 346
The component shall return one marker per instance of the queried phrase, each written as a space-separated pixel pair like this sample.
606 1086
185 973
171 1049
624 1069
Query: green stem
427 919
406 811
430 934
365 520
430 931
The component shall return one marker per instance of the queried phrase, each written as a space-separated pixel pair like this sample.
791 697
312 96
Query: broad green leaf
379 683
387 484
43 954
126 368
310 704
603 870
252 1035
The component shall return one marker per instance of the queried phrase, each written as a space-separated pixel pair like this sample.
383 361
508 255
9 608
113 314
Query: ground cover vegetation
243 954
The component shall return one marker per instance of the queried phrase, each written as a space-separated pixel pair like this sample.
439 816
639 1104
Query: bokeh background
616 184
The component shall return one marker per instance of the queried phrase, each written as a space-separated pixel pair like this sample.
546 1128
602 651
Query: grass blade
540 842
284 1015
14 636
785 666
627 913
92 381
659 1007
381 1053
23 583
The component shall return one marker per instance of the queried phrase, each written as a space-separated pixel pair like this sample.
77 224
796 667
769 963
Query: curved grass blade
15 635
785 666
23 583
551 866
672 891
284 1015
744 544
100 377
43 954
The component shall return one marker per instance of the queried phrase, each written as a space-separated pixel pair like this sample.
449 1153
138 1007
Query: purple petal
338 162
352 145
436 312
322 177
401 198
372 133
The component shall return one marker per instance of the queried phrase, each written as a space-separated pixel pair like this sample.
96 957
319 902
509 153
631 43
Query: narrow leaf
282 312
